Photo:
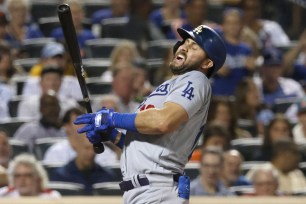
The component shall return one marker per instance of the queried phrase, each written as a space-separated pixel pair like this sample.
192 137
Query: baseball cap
52 49
272 57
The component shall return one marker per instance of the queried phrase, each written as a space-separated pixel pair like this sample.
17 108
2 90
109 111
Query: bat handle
98 148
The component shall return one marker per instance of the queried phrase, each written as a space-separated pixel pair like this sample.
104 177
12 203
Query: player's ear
207 63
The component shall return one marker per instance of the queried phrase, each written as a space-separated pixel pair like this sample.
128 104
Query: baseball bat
65 17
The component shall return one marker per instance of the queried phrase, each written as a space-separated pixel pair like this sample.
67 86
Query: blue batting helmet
209 40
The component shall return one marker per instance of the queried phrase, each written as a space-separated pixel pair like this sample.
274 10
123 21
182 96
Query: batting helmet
209 40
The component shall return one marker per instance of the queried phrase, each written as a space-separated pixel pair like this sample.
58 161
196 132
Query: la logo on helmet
198 29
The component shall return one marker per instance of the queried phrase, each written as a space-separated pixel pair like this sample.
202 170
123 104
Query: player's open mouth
180 59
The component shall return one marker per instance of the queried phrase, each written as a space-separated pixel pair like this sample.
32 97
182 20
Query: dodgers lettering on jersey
168 153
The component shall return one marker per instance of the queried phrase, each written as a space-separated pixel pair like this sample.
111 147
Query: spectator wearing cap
78 16
54 54
271 84
299 130
50 81
48 125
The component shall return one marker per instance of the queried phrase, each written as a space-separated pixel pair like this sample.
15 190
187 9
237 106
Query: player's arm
150 121
160 121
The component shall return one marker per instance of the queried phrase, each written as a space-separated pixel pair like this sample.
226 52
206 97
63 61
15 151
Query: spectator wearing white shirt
62 152
50 81
299 130
27 178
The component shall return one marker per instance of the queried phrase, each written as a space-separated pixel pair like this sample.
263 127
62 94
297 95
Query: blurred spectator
50 81
5 155
208 183
279 128
20 26
231 170
285 161
7 90
142 86
139 28
123 53
83 169
62 152
299 129
222 112
196 12
267 33
214 135
122 87
118 8
27 177
170 11
54 54
271 84
107 101
265 182
3 25
295 60
163 73
49 124
239 60
78 15
249 107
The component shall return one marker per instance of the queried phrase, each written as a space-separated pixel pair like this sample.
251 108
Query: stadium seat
95 67
247 147
248 125
242 190
43 8
100 48
11 125
50 167
114 27
26 64
32 47
41 145
158 49
96 87
18 147
192 170
281 105
66 188
248 165
91 6
48 24
117 171
13 106
302 166
107 189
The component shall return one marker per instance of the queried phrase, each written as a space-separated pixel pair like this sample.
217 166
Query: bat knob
98 148
63 8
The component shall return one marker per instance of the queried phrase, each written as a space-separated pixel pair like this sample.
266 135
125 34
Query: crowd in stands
254 142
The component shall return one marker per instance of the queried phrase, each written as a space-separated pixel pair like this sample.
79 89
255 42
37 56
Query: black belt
143 181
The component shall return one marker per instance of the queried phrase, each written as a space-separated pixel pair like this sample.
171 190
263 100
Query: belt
138 181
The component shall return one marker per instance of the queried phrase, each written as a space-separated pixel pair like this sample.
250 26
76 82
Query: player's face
189 56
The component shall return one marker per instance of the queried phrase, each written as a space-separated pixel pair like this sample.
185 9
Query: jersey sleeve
191 91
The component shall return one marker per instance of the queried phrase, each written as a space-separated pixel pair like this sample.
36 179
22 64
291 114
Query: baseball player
162 134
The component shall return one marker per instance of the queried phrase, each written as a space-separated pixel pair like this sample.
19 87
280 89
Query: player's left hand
98 122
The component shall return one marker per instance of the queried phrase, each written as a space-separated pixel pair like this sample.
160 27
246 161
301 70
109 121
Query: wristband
124 121
117 138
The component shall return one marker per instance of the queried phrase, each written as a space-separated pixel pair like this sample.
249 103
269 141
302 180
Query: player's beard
177 70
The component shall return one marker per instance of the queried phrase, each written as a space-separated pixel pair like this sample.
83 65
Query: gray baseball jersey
168 154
